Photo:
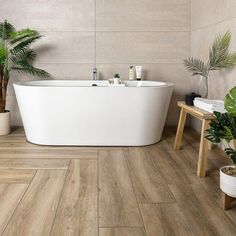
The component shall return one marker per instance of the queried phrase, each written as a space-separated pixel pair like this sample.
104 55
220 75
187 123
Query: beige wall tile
207 12
143 15
50 15
65 47
142 47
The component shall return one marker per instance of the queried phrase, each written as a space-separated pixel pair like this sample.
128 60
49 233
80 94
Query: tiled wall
154 33
209 18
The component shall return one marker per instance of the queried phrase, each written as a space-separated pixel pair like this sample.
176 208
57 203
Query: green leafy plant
224 127
219 57
16 55
116 76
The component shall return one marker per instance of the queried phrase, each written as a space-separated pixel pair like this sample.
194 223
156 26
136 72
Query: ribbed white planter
5 120
228 183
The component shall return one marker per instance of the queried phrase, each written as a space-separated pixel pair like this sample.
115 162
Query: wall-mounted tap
95 74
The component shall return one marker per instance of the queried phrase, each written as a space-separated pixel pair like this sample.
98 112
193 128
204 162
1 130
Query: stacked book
209 105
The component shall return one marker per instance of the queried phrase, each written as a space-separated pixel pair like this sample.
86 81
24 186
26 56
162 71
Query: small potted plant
219 58
116 78
15 55
223 129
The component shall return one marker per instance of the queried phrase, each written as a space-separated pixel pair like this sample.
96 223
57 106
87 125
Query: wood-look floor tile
164 219
192 208
10 196
147 179
169 166
33 153
214 213
35 213
117 201
77 212
16 176
33 164
121 231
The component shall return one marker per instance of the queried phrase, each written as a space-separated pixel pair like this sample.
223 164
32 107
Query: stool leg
209 145
227 200
180 129
202 159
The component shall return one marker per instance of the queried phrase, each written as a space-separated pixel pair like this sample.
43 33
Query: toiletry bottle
138 72
131 73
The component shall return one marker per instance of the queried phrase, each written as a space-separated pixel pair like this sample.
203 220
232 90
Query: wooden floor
139 191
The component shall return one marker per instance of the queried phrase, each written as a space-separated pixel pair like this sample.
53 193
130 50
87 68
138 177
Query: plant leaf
18 36
230 102
231 153
29 69
6 29
196 66
22 45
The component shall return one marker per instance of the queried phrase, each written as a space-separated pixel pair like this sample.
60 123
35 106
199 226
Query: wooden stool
227 200
205 117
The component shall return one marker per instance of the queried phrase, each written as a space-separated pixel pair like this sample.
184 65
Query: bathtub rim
30 83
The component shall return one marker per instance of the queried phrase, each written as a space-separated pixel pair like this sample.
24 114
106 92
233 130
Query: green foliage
231 153
116 76
6 30
219 57
196 66
15 52
224 127
230 102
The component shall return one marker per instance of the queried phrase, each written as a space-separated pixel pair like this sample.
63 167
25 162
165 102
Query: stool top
196 112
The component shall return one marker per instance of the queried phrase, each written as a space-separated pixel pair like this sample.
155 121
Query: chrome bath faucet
95 74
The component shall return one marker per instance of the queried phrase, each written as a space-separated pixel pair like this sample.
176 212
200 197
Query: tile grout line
128 169
119 226
213 24
117 31
19 202
95 33
59 200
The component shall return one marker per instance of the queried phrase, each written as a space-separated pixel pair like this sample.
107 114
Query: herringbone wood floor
109 191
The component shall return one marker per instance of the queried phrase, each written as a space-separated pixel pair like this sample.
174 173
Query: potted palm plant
223 129
15 55
219 58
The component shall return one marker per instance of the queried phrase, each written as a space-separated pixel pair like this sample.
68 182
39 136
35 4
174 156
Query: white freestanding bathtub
73 112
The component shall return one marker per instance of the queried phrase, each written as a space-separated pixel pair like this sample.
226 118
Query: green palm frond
196 66
16 54
18 36
24 44
219 57
24 55
23 67
6 30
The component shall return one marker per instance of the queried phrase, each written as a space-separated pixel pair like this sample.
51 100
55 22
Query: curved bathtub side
93 116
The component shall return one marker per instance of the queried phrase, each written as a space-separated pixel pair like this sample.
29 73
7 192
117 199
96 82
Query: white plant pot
5 120
116 81
228 183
